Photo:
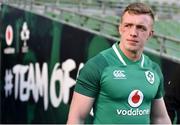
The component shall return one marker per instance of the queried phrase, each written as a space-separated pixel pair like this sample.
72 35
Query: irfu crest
150 76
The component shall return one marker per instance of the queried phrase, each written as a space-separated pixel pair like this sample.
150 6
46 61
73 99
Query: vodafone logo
135 98
9 39
9 35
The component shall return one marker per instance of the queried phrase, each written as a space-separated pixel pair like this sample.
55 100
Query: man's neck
132 55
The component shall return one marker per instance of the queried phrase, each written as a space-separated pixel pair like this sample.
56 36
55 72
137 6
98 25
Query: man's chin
134 50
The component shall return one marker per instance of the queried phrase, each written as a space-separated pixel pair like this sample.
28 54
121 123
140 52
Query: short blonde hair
138 8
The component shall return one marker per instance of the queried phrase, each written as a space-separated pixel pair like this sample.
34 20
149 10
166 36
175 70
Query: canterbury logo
119 74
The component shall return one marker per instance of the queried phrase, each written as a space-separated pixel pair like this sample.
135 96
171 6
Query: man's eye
127 25
142 28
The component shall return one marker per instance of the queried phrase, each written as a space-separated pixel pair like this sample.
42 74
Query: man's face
135 31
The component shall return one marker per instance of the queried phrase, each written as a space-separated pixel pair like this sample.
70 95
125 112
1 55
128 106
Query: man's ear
151 33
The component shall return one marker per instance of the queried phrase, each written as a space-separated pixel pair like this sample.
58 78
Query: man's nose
133 32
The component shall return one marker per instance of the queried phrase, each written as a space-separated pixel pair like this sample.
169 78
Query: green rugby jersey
123 90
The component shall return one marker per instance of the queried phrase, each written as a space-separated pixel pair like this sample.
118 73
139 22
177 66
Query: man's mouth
131 40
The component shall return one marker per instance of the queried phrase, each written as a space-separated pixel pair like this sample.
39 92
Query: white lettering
133 112
9 50
19 71
57 75
32 80
81 65
65 81
42 83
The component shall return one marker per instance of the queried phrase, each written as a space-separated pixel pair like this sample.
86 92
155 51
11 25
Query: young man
121 83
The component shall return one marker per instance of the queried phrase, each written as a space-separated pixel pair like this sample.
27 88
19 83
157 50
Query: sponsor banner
40 60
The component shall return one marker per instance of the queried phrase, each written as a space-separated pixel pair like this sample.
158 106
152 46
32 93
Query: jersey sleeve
88 81
160 92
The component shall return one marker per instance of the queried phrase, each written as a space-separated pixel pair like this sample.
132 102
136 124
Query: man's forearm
161 120
75 120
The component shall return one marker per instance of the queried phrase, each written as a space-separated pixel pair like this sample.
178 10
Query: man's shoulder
102 55
105 58
98 60
150 63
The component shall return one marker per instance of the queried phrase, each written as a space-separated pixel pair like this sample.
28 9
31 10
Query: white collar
122 60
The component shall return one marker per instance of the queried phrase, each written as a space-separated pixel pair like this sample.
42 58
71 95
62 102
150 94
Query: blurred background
44 43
